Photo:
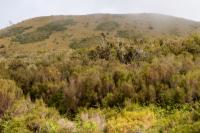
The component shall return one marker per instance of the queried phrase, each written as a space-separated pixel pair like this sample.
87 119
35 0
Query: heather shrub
92 120
4 73
136 36
9 93
107 26
84 42
25 116
23 76
192 44
44 32
14 31
108 75
131 121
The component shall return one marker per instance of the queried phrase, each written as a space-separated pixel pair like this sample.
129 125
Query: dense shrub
192 44
23 76
90 121
9 93
131 121
145 85
26 116
108 75
107 26
85 42
192 81
125 53
4 74
43 32
32 37
14 31
130 34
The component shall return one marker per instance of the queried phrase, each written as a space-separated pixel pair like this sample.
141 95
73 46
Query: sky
14 11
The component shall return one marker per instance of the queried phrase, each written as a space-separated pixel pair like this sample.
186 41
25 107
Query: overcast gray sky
17 10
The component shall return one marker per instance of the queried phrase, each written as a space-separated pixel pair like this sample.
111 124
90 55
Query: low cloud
18 10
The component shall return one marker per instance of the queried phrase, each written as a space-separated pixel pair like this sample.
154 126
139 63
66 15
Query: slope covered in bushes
100 74
147 85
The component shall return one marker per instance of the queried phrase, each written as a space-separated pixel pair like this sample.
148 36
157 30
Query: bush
90 121
192 44
130 34
26 116
192 81
14 31
124 53
9 93
131 121
44 32
23 76
108 75
4 72
85 42
107 26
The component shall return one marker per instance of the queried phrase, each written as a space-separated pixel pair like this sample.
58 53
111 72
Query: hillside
61 32
100 74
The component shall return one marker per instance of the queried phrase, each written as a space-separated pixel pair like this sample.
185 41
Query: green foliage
85 42
9 93
161 76
131 121
129 34
192 44
108 75
27 117
107 26
31 37
125 53
44 32
14 31
90 121
102 84
4 74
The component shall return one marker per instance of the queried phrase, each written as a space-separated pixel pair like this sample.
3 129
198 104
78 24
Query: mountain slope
143 77
60 32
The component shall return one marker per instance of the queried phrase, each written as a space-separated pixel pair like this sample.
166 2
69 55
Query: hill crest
82 31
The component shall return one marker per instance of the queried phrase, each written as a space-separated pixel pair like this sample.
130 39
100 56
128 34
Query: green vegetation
157 75
25 116
43 32
14 31
85 42
9 93
134 118
101 85
129 34
107 26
